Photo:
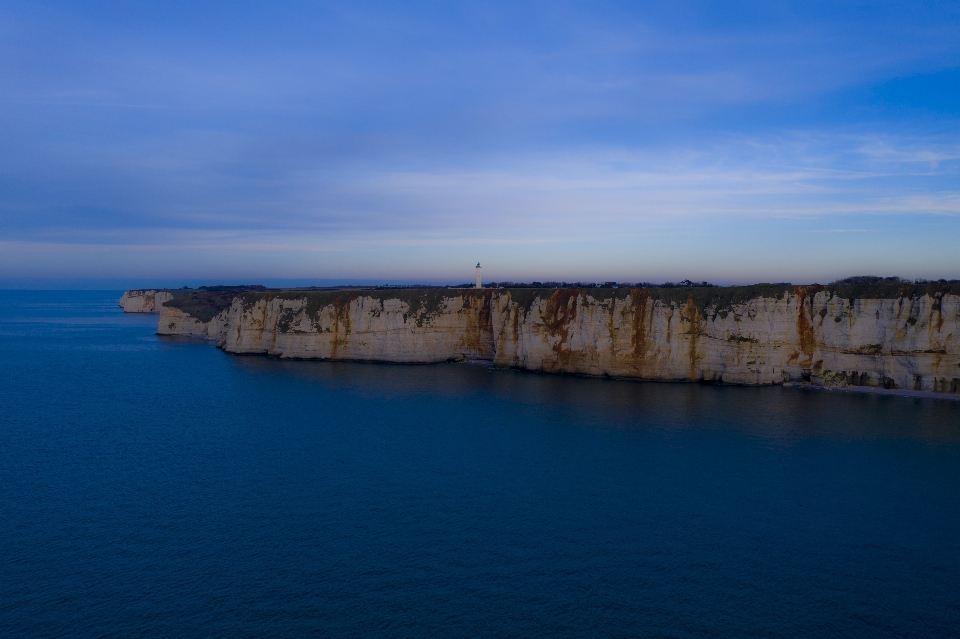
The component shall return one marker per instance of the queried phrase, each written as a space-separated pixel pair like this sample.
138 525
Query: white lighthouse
479 280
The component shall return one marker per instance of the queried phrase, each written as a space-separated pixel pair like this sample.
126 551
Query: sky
170 143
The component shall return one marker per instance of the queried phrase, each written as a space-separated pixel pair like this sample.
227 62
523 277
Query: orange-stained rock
804 334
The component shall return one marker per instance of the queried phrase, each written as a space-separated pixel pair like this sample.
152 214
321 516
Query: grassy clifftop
206 302
724 297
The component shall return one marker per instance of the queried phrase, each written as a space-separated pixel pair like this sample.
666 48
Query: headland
884 335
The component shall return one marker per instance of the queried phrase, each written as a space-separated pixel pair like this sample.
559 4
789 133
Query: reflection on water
776 414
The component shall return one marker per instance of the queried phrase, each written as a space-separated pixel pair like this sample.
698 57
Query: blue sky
725 141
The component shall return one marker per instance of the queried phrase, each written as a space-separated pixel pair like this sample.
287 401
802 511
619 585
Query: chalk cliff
144 301
905 337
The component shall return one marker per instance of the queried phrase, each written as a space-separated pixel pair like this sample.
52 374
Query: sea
159 487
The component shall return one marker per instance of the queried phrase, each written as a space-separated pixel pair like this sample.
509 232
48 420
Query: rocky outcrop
907 340
425 327
174 321
144 301
803 335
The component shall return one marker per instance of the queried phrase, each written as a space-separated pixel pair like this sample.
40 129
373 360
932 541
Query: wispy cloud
562 135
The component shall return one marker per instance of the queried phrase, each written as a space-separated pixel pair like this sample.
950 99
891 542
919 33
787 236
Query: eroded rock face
144 301
173 321
351 327
897 343
804 334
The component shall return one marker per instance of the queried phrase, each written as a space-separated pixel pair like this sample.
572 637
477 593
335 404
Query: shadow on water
776 414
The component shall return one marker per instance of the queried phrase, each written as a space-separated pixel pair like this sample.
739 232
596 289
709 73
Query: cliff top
205 302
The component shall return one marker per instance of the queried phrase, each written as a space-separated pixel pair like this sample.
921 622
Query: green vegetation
718 297
893 290
206 302
723 298
425 303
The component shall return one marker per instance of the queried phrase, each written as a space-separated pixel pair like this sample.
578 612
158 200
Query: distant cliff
144 301
890 335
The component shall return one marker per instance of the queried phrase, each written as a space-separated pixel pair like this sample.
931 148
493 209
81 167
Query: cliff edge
895 336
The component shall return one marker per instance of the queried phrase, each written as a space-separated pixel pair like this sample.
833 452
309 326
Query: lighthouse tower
479 281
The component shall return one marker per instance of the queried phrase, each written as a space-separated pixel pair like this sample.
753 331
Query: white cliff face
173 321
363 328
145 301
351 327
911 343
896 343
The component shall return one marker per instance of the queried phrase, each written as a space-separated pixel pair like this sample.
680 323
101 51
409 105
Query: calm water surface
153 487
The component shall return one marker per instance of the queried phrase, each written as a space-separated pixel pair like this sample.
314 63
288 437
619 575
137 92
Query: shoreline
869 390
895 392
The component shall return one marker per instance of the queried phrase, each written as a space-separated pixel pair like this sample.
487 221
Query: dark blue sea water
156 487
